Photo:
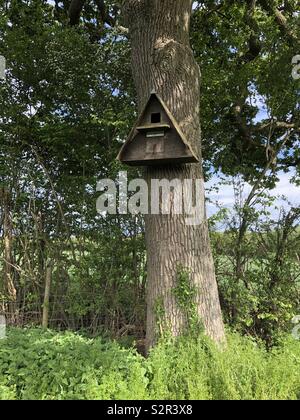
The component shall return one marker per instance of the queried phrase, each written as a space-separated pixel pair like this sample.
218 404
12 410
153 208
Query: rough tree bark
162 60
48 278
8 279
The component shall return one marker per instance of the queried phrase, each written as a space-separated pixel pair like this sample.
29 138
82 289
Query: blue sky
225 195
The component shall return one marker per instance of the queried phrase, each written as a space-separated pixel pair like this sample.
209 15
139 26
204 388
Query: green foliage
104 288
258 270
46 365
245 56
161 324
7 393
66 106
186 294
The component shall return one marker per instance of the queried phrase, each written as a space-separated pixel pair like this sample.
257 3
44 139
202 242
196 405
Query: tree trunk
162 60
8 287
47 295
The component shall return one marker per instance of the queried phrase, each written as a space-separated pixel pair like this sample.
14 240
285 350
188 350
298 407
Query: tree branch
280 19
277 124
75 10
105 16
254 44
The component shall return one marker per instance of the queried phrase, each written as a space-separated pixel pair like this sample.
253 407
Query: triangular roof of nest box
134 131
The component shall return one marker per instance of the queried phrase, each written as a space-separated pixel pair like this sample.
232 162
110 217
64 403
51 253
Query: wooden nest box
156 139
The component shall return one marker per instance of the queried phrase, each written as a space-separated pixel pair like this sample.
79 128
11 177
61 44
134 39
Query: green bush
7 393
36 364
196 369
49 365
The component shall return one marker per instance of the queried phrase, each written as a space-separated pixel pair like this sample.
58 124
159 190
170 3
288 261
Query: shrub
49 365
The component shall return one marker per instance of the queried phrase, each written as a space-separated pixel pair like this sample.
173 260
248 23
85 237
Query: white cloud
225 193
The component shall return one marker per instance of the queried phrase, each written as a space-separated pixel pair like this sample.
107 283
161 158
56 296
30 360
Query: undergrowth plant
46 365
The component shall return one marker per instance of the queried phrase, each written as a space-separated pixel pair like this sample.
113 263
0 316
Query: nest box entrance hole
155 118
